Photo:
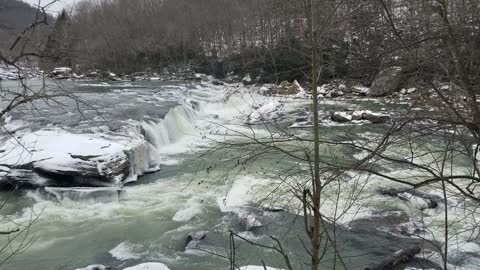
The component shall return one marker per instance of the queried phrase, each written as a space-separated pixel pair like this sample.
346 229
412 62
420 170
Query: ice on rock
83 159
60 153
266 112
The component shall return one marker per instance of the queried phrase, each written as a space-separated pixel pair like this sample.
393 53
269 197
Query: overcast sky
55 8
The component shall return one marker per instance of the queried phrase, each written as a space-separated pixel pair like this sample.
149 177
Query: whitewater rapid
170 189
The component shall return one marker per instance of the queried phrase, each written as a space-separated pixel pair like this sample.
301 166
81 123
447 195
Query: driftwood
401 256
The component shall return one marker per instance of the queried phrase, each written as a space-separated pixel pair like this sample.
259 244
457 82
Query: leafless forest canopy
269 38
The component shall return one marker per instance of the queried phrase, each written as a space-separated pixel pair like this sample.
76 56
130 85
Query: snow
8 74
149 266
266 112
62 70
59 152
56 148
361 90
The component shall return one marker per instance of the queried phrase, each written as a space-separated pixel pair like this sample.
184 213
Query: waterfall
152 138
88 195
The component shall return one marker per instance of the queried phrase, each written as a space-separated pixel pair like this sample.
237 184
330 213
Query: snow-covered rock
298 91
341 117
285 84
8 74
201 77
335 94
78 159
266 91
62 72
266 112
374 118
148 266
247 80
411 90
194 238
361 90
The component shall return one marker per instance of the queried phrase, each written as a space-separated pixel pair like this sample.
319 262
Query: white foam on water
126 251
148 266
241 193
194 208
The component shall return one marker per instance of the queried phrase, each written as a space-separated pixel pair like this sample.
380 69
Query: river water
197 186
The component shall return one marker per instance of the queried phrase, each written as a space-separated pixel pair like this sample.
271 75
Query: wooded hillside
15 17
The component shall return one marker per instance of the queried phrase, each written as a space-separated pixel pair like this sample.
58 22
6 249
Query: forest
271 39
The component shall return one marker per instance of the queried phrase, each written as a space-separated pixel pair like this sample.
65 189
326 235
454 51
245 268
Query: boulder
201 77
217 82
357 115
68 159
376 118
411 90
335 94
62 73
92 74
285 84
341 117
266 91
423 200
387 81
387 221
401 256
247 80
194 238
361 90
295 88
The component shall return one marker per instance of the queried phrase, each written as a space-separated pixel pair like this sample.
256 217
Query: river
183 186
